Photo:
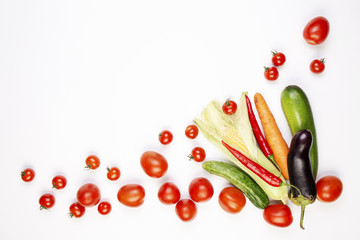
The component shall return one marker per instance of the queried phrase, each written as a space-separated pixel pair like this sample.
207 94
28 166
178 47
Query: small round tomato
186 210
316 31
169 193
329 188
192 131
317 65
76 210
278 215
88 195
201 190
229 107
154 164
271 73
104 208
278 58
92 162
197 154
232 200
165 137
46 201
59 182
113 173
131 195
27 175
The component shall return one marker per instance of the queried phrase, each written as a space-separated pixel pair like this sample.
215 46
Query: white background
105 77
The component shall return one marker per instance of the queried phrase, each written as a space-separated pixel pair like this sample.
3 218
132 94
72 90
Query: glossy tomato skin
88 195
27 175
169 193
165 137
113 173
316 31
198 154
47 201
278 215
76 210
131 195
232 200
201 190
271 73
317 66
104 208
92 162
278 58
186 210
329 188
59 182
229 107
154 164
191 131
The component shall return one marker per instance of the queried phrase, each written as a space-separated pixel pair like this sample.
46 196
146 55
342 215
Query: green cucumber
297 110
239 179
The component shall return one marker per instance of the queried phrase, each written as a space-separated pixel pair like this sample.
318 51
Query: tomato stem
274 52
266 69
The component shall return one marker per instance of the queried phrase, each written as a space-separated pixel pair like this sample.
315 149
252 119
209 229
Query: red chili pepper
264 174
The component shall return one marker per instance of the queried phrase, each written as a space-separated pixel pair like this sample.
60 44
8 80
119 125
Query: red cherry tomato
131 195
27 175
113 173
165 137
192 131
76 210
104 208
92 162
169 193
88 195
198 154
46 201
329 188
317 66
59 182
201 190
232 200
186 210
154 164
278 215
229 107
278 58
271 73
316 31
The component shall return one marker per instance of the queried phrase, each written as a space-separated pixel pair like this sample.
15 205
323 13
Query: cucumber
297 110
239 179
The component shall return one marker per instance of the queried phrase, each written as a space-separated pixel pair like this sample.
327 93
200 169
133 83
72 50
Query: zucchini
239 179
297 110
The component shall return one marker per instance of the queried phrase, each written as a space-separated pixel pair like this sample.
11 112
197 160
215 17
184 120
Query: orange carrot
272 134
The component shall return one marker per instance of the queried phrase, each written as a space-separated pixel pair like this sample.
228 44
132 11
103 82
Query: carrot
272 134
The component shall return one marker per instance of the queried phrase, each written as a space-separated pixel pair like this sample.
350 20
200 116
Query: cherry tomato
76 210
154 164
229 107
271 73
329 188
104 208
46 201
59 182
317 66
92 162
113 173
201 190
192 131
198 154
165 137
131 195
186 210
316 31
27 175
88 195
169 193
278 215
232 200
278 58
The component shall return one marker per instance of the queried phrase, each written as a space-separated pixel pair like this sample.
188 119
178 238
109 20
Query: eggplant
303 186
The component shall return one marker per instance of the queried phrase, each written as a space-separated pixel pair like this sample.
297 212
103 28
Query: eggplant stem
302 216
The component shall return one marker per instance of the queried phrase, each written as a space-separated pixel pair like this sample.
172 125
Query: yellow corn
231 137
